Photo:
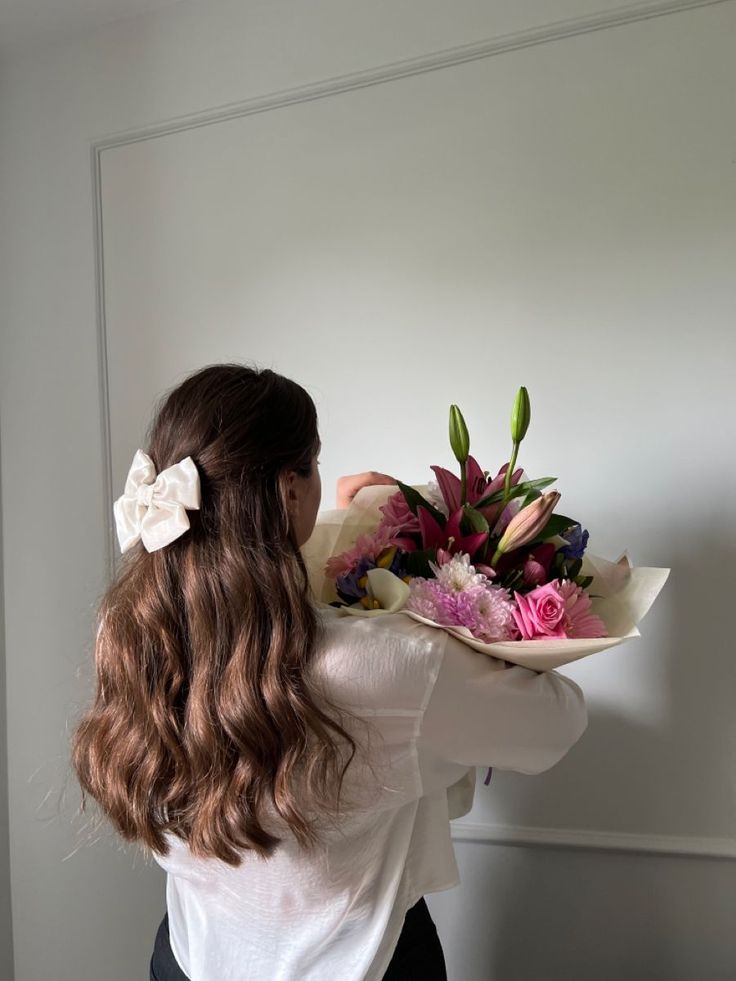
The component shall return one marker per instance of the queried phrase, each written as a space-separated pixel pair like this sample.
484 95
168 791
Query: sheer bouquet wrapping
485 558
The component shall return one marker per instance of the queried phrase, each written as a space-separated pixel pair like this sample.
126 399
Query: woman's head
253 436
204 717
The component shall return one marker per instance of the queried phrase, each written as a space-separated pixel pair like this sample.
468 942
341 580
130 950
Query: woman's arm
349 485
483 712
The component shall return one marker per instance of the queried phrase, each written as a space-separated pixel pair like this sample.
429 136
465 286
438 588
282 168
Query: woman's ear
289 491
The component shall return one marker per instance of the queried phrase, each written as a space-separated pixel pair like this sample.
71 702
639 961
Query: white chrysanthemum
434 496
458 574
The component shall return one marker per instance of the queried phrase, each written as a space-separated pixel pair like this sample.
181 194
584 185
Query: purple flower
430 599
347 585
577 539
487 612
461 597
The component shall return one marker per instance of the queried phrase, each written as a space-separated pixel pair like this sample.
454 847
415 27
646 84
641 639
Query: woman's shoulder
388 662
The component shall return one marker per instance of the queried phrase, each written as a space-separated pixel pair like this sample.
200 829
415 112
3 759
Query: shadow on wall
6 924
571 914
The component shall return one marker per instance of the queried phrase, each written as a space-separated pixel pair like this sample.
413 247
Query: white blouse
427 710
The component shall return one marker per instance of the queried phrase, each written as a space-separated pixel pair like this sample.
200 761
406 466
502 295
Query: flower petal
450 486
432 535
475 479
390 591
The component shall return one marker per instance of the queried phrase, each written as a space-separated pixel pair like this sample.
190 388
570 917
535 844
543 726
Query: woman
291 768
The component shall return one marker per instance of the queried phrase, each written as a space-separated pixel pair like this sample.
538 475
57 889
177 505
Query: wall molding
556 31
445 58
618 841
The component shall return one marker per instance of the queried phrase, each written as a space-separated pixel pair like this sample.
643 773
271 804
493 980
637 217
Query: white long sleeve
486 712
424 710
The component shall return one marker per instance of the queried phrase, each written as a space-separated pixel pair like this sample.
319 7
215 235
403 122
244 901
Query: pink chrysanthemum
487 612
461 597
430 599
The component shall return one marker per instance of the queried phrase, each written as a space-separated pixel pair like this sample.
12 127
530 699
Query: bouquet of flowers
486 558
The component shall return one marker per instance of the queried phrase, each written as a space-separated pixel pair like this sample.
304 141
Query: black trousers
418 953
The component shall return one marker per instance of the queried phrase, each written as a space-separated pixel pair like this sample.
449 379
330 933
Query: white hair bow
154 508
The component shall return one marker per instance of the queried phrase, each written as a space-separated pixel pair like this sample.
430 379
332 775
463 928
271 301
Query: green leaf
531 495
517 489
584 581
472 521
557 566
413 498
512 580
417 562
557 523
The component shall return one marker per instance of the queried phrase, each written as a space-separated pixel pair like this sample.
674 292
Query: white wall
638 280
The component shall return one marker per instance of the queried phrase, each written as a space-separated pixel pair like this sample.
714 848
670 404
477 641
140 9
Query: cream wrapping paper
621 594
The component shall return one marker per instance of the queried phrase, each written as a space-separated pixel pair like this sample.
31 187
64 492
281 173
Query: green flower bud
520 416
459 438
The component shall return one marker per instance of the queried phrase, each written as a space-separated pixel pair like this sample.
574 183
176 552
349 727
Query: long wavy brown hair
204 719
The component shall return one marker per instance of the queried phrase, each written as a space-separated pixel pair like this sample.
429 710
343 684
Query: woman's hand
348 486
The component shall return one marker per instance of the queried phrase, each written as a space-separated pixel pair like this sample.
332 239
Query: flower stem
509 473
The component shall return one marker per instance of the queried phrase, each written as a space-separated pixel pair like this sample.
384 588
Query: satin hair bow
153 507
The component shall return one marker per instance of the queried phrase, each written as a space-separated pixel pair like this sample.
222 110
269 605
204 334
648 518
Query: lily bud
527 524
521 415
459 438
485 569
533 573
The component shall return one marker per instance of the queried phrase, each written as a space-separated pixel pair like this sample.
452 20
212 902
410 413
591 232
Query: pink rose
397 512
541 613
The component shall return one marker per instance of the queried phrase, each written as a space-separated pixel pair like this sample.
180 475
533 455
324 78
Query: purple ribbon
488 776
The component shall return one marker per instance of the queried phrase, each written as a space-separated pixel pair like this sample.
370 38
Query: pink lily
450 485
492 512
527 524
434 536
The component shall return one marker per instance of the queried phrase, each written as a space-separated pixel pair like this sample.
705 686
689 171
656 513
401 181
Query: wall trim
618 841
543 34
102 363
555 31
